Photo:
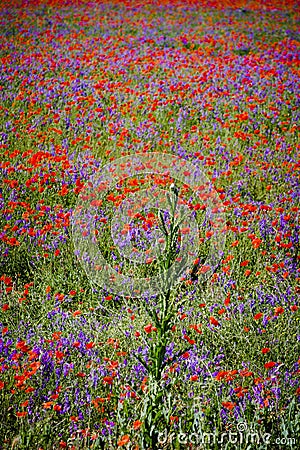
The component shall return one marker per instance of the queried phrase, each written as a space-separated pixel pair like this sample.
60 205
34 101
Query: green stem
163 323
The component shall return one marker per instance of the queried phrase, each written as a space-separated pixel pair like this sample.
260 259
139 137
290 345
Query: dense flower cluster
82 84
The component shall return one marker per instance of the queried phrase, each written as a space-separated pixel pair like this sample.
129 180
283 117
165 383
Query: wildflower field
149 228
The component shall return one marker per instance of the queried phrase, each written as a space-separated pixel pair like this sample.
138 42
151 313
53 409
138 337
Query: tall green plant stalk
163 317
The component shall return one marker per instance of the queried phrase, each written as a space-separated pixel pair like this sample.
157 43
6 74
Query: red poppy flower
244 263
174 419
245 373
124 440
137 424
108 380
270 365
228 405
194 378
279 310
214 321
89 345
258 316
148 328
